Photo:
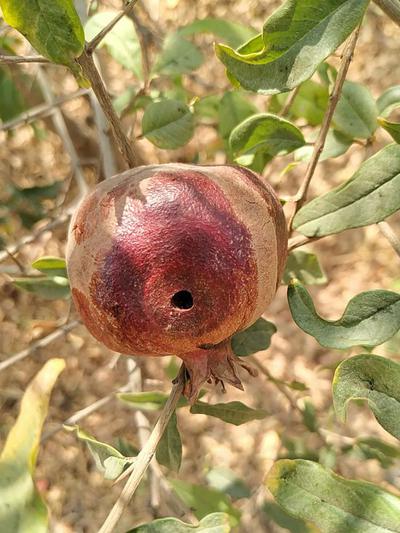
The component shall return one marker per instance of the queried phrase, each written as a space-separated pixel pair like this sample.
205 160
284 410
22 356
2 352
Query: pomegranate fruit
175 259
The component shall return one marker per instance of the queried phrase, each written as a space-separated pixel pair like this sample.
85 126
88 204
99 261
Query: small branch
125 146
28 239
289 102
390 235
94 43
41 110
145 456
41 343
301 195
12 60
391 8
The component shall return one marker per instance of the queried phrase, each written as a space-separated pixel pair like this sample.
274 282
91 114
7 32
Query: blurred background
38 182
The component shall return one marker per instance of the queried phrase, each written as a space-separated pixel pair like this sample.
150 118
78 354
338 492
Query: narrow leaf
212 523
388 101
368 197
168 124
109 461
369 319
22 509
305 267
169 449
54 266
49 287
265 133
203 500
296 39
334 504
235 413
149 401
374 379
253 339
122 41
336 144
51 26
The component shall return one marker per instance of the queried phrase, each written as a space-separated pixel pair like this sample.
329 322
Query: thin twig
391 8
145 456
84 412
125 146
301 195
62 130
289 101
32 237
41 343
390 235
41 110
9 60
94 43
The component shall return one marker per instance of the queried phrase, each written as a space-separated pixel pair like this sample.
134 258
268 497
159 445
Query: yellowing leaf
21 508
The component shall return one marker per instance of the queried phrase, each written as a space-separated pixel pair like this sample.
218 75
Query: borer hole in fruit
182 300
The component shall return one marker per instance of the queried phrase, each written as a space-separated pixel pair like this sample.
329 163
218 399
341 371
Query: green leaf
336 144
265 133
233 109
368 197
226 481
22 509
305 267
334 504
296 39
393 128
53 266
203 500
51 26
149 401
388 101
169 449
370 318
253 339
109 461
235 413
309 416
208 106
374 379
309 103
356 112
168 124
49 287
212 523
178 56
37 193
11 100
231 32
373 448
285 520
121 42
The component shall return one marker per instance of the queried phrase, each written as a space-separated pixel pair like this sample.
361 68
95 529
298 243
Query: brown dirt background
78 496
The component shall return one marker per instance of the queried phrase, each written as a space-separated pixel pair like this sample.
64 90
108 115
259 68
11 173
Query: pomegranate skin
175 259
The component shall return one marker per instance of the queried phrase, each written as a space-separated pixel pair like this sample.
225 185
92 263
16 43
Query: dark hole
182 300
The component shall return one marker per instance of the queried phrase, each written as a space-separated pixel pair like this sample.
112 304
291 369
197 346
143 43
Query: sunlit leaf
369 196
109 461
374 379
334 504
149 401
305 267
297 37
212 523
393 128
53 266
22 509
388 101
370 318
